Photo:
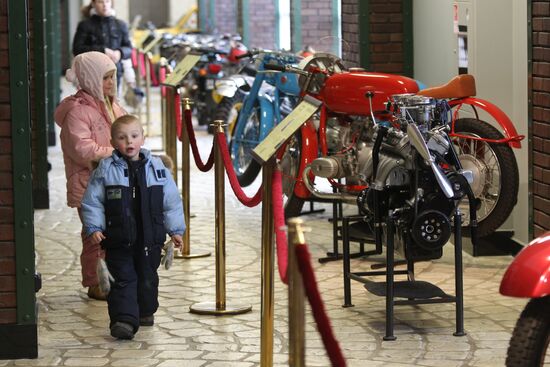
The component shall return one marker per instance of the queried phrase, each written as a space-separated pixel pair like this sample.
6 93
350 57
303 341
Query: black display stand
414 292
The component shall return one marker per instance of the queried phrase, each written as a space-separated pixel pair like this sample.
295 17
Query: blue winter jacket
107 202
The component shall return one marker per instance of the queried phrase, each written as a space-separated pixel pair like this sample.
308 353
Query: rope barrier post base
185 252
267 301
220 307
296 296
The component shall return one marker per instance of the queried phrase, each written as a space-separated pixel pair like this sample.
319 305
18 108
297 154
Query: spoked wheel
495 173
228 111
244 140
529 342
290 166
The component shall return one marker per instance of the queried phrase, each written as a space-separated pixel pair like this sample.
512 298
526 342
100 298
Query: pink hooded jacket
85 122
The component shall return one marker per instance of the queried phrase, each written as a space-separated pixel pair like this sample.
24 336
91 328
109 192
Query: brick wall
316 23
541 116
262 24
7 245
226 16
350 32
386 36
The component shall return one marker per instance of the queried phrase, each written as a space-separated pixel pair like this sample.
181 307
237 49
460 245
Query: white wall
178 8
497 43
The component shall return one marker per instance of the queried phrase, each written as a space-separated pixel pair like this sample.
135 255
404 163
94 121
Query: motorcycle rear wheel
244 139
496 177
529 342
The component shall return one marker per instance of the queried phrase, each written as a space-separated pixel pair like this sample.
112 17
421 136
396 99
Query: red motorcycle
527 277
355 101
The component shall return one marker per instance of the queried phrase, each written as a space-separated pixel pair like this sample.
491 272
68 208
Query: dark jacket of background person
97 33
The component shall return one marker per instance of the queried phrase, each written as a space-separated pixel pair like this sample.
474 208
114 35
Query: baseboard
18 341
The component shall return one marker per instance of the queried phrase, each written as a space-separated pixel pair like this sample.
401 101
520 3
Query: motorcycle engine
404 183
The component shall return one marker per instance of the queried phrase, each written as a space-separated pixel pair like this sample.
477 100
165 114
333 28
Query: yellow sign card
152 44
181 70
284 130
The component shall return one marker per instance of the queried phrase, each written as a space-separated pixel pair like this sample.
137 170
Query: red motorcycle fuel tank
529 274
346 92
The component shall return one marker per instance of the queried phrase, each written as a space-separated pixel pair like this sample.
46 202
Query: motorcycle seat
459 87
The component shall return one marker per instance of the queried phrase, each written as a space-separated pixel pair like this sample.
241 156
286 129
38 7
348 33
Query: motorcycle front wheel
290 166
529 342
244 139
495 173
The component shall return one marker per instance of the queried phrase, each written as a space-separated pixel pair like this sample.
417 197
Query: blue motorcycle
267 100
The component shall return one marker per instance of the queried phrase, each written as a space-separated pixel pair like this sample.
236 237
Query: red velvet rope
162 78
154 78
134 57
317 307
141 70
204 167
177 113
239 193
279 220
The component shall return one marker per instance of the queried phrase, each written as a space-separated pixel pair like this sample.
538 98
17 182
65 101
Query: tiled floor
73 330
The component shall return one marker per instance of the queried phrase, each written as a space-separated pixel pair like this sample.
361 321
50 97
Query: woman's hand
114 55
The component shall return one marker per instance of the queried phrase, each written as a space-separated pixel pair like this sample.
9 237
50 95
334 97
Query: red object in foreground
528 275
317 307
204 167
279 221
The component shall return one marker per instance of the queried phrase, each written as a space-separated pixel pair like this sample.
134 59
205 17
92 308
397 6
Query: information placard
181 69
284 130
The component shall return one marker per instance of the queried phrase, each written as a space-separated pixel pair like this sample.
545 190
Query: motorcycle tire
246 168
290 165
495 208
227 111
531 335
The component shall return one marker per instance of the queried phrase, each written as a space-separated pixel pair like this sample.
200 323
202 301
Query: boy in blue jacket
130 204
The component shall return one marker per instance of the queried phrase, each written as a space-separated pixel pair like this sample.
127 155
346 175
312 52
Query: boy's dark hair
124 120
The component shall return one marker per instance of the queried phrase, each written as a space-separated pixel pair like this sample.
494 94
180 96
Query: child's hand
178 241
97 237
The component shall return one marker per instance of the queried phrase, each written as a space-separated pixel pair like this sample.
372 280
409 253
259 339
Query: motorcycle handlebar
286 68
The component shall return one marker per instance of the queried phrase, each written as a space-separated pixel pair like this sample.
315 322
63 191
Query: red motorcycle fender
500 117
309 151
529 274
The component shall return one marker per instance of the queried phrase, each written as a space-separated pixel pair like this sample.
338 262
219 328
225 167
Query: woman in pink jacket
85 119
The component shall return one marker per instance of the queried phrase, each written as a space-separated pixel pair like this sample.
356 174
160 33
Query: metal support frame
390 273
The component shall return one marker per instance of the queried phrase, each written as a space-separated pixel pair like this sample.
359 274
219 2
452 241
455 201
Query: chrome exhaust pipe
346 198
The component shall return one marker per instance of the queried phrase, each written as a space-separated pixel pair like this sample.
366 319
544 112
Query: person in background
131 203
101 31
85 119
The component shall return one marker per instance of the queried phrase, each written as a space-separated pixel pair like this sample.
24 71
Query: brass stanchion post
148 91
267 312
163 65
171 148
186 187
296 308
138 78
220 307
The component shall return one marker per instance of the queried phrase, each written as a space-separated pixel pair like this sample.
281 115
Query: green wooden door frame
296 10
244 18
21 151
41 117
203 15
364 36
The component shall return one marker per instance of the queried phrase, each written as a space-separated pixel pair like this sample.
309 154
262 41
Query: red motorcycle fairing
309 151
346 92
511 135
528 275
